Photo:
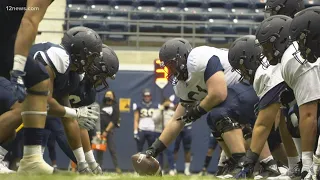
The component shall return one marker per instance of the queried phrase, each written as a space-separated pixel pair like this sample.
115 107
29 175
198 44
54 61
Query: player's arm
9 121
216 84
170 133
136 117
27 32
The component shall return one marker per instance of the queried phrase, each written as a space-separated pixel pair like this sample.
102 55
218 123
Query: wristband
70 112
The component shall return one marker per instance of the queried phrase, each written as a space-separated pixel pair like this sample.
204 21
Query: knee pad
38 93
247 131
34 113
224 125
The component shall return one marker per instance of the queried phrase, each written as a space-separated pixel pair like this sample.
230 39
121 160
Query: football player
283 7
245 56
185 137
52 72
211 147
21 20
202 75
278 49
143 129
300 70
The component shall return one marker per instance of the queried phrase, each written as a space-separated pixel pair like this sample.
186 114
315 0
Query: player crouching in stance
52 71
201 77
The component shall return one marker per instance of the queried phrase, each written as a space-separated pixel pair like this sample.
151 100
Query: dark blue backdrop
129 84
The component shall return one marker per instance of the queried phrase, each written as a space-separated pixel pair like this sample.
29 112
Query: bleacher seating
211 16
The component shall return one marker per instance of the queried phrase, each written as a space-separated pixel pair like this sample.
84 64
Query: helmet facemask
177 68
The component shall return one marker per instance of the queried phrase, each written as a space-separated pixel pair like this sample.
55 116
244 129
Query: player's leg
169 154
150 137
85 140
142 139
211 147
72 131
160 157
187 141
176 149
34 112
52 150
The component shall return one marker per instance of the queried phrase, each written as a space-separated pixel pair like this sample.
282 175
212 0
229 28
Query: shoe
187 172
203 172
118 171
172 173
234 168
95 168
220 170
293 173
268 170
4 169
34 164
83 168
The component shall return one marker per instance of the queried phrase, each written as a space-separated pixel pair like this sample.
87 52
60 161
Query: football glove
192 114
19 89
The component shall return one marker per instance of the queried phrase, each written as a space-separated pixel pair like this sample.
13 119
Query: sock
318 148
306 160
293 161
32 139
3 152
267 159
43 148
187 166
207 161
90 157
237 156
32 150
222 158
297 142
19 62
79 154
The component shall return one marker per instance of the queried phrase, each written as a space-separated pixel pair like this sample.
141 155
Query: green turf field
110 176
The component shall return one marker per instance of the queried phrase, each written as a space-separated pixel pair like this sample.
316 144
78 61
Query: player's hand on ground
150 152
19 89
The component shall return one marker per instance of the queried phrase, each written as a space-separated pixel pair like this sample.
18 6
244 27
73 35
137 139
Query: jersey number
74 99
146 112
192 93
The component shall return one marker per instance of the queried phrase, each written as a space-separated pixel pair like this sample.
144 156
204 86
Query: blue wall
129 84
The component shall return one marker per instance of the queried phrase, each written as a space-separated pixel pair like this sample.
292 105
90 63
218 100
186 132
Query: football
145 166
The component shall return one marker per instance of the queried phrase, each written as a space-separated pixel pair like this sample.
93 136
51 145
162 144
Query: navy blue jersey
56 57
84 95
7 98
146 109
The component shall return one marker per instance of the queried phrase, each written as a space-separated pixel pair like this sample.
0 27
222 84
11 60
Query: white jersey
195 88
291 68
160 115
267 78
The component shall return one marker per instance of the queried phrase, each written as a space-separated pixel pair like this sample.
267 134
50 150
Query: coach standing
109 120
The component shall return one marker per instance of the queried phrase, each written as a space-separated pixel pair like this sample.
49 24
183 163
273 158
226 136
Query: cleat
34 164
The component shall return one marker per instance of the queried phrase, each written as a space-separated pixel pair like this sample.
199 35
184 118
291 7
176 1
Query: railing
139 36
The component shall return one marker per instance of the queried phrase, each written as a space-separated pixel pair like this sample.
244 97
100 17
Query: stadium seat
103 2
76 10
122 11
194 3
93 22
73 24
146 13
147 3
219 25
240 3
117 24
217 4
195 14
309 3
100 10
167 14
243 27
259 4
242 13
77 2
125 3
171 3
218 13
